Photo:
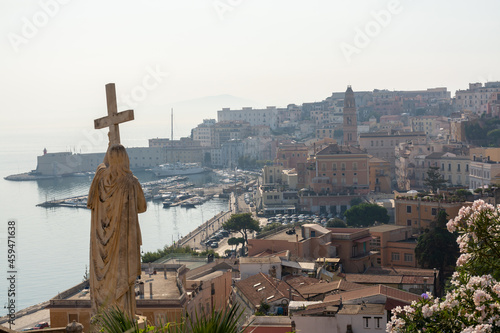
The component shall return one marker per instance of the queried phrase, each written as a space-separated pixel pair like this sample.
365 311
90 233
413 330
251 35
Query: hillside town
314 266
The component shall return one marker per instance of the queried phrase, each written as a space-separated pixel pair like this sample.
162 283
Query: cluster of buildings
317 279
375 147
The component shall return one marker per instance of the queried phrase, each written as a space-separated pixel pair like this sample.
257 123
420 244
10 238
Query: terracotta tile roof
367 309
261 287
372 291
269 253
336 149
324 287
400 271
260 260
211 267
297 281
320 308
374 279
412 279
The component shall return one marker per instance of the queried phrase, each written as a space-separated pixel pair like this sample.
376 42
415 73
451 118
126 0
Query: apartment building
477 97
255 117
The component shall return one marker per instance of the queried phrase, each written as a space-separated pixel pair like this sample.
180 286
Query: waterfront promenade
195 238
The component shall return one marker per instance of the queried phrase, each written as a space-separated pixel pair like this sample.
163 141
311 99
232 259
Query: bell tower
350 120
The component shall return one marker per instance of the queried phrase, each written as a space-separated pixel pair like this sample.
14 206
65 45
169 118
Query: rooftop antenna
172 124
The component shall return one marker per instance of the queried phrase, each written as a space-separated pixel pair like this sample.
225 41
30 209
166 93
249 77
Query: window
313 233
434 211
343 166
408 257
334 166
458 167
408 223
366 322
395 256
355 166
354 251
408 209
442 166
378 322
449 166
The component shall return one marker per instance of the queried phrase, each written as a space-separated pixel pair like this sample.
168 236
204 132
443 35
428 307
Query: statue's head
117 158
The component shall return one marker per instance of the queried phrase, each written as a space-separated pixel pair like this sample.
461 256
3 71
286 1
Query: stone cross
113 118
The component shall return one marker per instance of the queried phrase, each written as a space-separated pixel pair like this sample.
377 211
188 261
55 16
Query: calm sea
53 243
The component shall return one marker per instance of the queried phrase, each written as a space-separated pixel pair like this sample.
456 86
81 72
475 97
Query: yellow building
335 169
420 213
485 154
394 245
380 175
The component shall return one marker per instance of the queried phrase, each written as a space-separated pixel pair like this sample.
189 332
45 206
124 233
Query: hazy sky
57 55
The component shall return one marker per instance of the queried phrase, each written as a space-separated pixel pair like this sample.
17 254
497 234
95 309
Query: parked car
214 245
39 326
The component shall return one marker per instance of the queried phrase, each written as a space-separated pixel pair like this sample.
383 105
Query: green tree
242 223
366 214
434 179
235 241
437 248
336 223
494 135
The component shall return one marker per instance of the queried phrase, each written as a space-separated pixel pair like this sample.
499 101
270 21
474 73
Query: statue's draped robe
115 199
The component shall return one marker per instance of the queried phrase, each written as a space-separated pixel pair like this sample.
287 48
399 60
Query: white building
481 173
204 133
476 98
255 117
231 151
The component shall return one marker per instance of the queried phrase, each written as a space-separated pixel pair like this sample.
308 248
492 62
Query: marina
69 222
175 169
172 192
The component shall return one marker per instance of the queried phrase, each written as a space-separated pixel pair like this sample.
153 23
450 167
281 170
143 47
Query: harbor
171 192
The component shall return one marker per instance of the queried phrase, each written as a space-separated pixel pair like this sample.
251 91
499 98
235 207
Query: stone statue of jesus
115 198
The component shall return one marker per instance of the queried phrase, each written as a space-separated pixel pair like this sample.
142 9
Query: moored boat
174 169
